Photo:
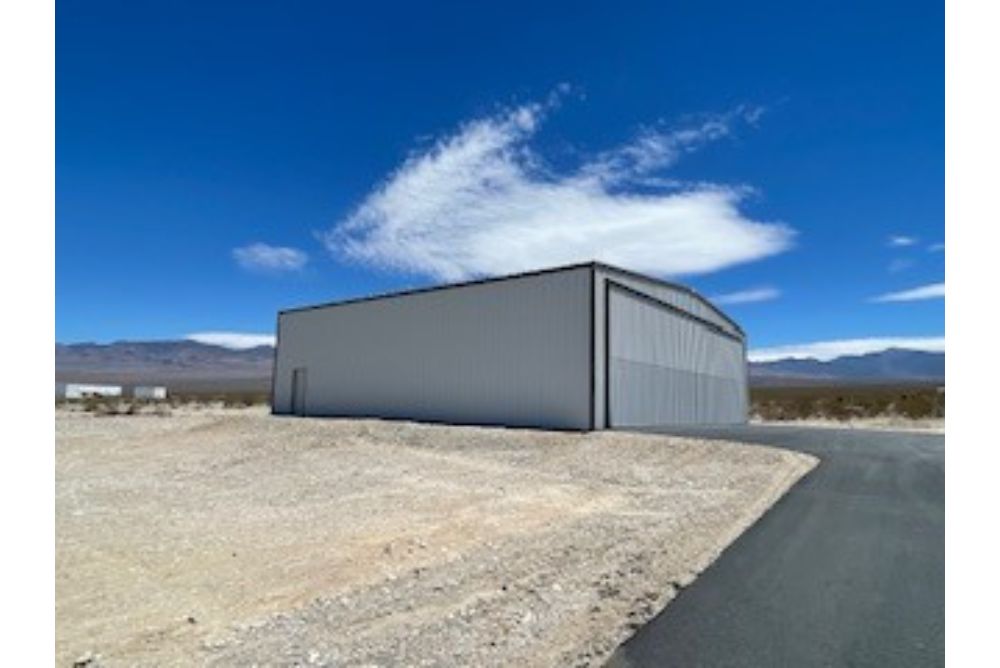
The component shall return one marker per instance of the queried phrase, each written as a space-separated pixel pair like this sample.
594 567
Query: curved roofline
674 286
526 274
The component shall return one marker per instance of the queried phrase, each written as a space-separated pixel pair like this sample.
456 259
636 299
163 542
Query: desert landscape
201 534
896 406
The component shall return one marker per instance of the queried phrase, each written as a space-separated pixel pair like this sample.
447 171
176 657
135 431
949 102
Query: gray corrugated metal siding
670 369
675 295
514 352
527 350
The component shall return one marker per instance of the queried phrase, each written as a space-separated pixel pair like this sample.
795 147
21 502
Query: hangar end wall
515 351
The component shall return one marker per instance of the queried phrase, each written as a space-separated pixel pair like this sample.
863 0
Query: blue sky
219 161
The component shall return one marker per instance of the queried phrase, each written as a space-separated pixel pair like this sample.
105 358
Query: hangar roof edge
525 274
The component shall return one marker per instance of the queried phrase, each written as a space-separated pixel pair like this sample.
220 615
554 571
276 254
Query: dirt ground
230 537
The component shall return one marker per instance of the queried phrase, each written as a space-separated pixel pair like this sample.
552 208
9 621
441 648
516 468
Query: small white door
299 391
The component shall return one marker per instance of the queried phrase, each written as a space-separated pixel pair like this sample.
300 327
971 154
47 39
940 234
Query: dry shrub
199 400
847 402
117 406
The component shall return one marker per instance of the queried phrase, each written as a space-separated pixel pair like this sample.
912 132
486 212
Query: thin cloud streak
264 257
483 202
825 351
234 340
901 241
932 291
750 296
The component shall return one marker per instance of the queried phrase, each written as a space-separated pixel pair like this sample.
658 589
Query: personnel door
299 391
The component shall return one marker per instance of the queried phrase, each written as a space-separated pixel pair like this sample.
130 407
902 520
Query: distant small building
153 392
82 391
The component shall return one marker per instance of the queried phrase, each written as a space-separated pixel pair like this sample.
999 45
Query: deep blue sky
187 129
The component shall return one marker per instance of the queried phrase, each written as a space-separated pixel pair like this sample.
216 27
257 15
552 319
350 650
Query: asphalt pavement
847 569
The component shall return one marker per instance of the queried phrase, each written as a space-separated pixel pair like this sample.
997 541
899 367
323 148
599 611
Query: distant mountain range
893 365
192 366
180 365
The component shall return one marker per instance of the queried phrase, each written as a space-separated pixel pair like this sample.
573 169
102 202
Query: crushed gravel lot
231 537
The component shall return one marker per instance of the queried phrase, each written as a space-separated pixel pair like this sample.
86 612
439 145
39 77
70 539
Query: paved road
846 570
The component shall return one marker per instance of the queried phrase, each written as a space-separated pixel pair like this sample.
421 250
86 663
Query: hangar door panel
667 368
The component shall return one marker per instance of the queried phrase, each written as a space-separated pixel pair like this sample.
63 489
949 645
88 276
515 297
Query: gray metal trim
607 353
593 349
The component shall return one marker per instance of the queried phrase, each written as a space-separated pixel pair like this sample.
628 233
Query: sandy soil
233 538
888 423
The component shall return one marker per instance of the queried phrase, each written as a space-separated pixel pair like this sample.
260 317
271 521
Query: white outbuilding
587 346
149 392
82 390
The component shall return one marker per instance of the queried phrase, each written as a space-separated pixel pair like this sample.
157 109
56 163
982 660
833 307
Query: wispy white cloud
762 294
658 148
828 350
264 257
235 340
483 202
932 291
901 241
936 248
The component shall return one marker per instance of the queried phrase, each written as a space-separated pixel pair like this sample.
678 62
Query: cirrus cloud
483 202
762 294
932 291
264 257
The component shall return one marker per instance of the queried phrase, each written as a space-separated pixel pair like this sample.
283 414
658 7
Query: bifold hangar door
668 366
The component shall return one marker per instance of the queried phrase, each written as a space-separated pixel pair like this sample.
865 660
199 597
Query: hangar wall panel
668 369
513 352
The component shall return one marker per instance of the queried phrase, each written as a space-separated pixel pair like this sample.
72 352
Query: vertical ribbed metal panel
668 369
512 352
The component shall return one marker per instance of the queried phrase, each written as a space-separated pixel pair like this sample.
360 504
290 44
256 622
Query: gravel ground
236 538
